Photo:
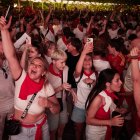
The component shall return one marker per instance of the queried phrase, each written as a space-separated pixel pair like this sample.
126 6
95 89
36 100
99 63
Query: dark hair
67 32
95 33
121 31
115 43
92 68
105 76
83 22
75 42
100 47
38 46
131 37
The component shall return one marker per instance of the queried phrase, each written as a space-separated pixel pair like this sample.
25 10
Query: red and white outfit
49 35
57 29
56 80
83 89
21 104
94 132
23 86
62 43
80 32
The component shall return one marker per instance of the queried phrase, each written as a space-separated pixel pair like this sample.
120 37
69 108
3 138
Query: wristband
134 57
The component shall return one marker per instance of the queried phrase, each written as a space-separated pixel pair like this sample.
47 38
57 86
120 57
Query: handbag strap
28 106
62 83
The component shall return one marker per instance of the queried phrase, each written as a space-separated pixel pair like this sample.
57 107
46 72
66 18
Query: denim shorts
78 115
54 120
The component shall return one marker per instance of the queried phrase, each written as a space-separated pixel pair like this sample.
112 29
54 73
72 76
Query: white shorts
95 132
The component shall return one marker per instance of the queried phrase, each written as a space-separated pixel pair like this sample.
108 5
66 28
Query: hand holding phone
89 40
88 48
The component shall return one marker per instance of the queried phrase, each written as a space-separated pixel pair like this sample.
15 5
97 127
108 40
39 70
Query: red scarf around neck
80 28
51 70
64 40
30 87
88 74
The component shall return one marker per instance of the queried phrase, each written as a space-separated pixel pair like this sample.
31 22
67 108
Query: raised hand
134 52
88 48
3 24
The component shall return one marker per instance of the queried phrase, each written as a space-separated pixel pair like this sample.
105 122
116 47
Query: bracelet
134 57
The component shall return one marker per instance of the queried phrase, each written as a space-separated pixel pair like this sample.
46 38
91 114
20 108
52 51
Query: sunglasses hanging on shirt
4 73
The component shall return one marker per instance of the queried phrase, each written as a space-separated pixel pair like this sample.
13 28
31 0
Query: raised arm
9 49
24 56
136 77
34 19
121 23
104 27
87 49
48 17
89 25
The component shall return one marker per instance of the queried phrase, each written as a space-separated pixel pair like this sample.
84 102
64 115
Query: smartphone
7 12
89 40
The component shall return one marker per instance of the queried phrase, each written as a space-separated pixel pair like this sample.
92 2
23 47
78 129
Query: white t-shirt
83 90
34 108
113 33
56 81
57 28
100 65
49 59
49 36
79 34
61 44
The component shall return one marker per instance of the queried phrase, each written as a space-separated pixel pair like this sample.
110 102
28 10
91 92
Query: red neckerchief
51 70
88 74
30 87
80 28
65 40
111 94
51 29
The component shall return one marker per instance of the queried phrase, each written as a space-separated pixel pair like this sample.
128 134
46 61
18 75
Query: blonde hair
58 54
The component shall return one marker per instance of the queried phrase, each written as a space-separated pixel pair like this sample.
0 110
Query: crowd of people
81 66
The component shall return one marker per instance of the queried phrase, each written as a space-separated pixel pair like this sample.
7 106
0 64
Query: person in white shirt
80 30
63 41
86 78
99 58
